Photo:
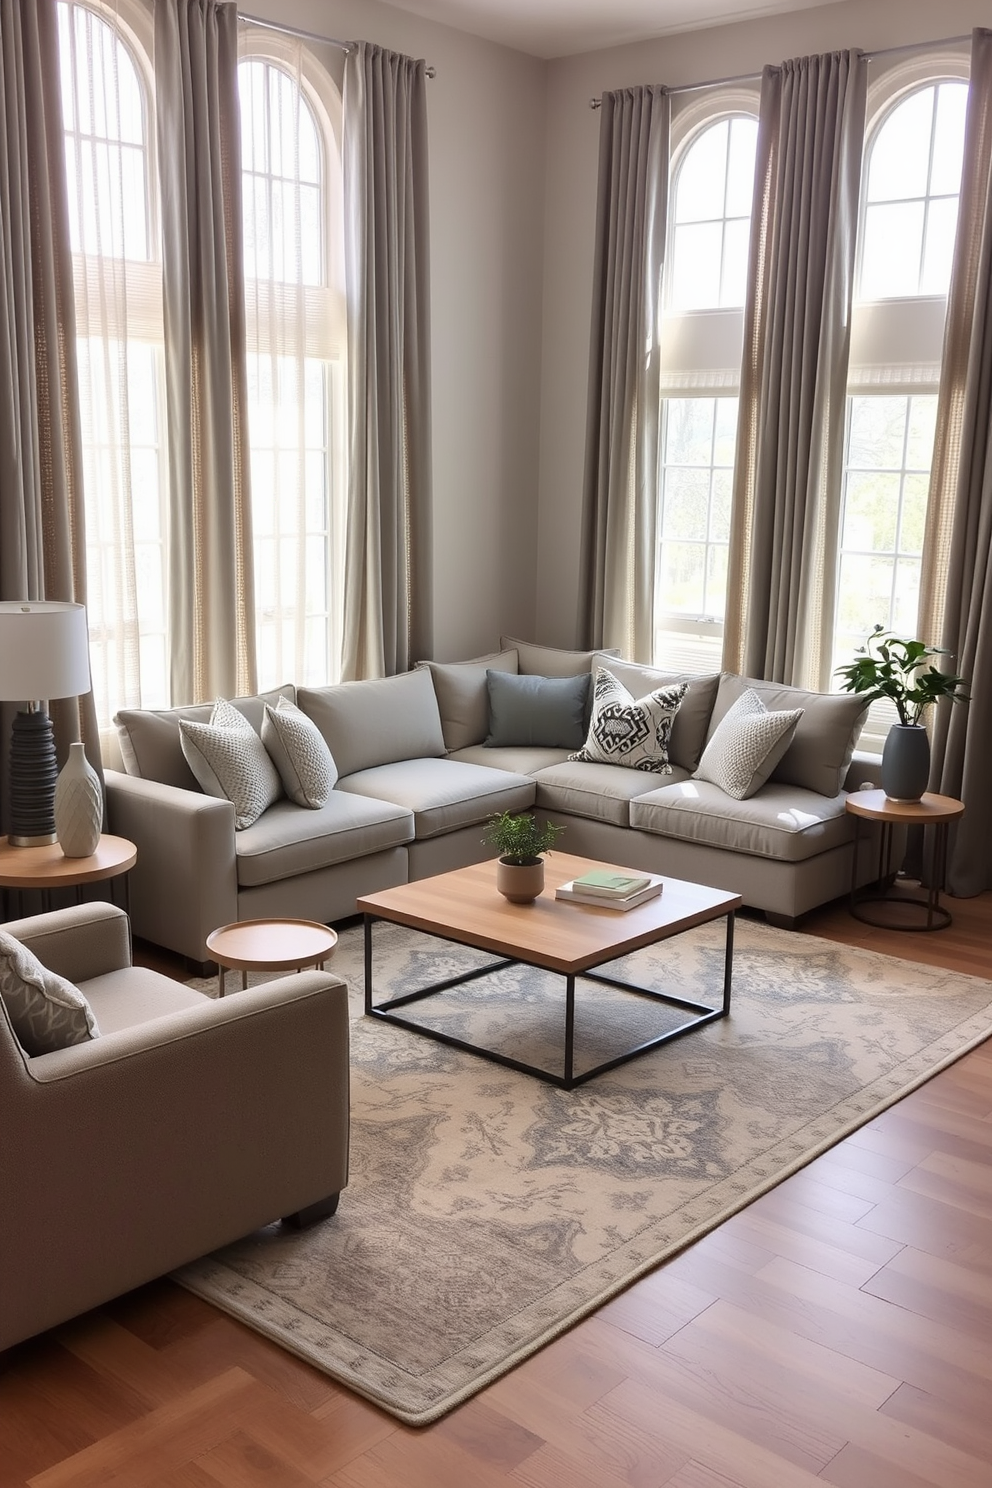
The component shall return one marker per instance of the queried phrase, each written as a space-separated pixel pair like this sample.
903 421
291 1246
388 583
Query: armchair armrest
82 941
184 883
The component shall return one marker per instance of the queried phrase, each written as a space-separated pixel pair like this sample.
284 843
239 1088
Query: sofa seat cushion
443 794
128 998
289 839
522 759
600 792
781 821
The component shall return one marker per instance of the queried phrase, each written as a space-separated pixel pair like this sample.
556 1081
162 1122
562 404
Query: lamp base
33 773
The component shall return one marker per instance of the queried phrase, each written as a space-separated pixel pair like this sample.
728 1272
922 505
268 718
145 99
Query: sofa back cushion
692 721
150 741
822 746
377 721
463 696
549 661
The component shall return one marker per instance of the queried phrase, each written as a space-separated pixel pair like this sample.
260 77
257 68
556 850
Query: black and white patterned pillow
629 731
746 745
229 760
46 1012
299 752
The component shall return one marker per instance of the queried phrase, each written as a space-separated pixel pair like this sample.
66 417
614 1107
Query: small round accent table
46 868
930 811
269 945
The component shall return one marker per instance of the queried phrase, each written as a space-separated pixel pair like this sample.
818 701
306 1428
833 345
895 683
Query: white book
582 896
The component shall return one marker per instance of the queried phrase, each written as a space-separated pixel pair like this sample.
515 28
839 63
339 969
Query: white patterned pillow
630 731
299 752
229 760
46 1012
746 745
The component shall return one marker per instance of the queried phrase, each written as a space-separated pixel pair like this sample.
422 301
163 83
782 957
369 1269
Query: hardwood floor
839 1330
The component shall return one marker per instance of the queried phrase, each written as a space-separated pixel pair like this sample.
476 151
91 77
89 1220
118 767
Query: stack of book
611 889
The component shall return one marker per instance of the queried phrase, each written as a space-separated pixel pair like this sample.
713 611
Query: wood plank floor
839 1330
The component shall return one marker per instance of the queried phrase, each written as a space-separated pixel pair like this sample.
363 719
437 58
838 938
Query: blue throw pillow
543 712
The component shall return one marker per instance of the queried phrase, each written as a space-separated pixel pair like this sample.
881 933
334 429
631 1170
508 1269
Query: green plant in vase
520 841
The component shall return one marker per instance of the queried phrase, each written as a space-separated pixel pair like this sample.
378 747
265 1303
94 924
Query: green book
610 884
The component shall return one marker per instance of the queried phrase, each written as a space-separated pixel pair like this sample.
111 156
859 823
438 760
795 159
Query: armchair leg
313 1213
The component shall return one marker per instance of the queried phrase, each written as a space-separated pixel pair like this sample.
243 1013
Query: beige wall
486 127
572 143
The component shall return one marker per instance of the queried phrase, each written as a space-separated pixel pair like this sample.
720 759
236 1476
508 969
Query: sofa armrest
864 767
82 941
184 883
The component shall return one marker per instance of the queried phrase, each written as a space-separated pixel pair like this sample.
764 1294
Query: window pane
712 210
900 154
893 243
701 189
942 220
696 266
694 517
685 505
948 140
740 166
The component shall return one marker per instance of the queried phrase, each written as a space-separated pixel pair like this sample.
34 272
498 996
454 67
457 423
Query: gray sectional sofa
419 770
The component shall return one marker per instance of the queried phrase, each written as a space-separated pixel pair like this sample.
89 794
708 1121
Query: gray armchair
188 1123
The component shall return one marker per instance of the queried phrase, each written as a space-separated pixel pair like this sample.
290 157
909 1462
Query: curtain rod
754 77
344 46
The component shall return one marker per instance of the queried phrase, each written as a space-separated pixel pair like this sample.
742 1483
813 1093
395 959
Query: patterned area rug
488 1211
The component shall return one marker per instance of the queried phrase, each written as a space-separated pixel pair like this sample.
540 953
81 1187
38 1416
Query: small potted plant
520 841
887 666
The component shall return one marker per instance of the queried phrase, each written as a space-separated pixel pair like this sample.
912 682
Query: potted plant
887 666
520 841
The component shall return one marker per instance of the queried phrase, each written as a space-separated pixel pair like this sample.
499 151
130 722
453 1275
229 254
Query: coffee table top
271 945
556 934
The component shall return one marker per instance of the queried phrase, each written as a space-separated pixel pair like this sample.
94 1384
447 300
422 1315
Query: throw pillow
746 746
229 760
46 1012
299 752
634 732
541 712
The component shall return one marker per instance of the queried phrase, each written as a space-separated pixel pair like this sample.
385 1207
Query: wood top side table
930 811
269 945
46 868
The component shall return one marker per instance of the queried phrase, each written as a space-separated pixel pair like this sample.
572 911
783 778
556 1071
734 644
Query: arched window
712 216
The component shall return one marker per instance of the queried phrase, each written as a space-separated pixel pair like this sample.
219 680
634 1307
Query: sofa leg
781 921
313 1213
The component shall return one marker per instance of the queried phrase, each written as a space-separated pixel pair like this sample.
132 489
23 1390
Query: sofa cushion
685 748
818 757
550 661
524 760
299 752
150 743
443 794
463 695
136 994
378 721
289 839
633 732
545 712
230 761
746 746
781 821
599 792
46 1012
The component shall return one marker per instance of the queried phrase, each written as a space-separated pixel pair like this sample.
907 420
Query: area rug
488 1211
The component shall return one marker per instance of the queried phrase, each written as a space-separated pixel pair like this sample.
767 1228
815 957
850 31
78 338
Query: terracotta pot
521 883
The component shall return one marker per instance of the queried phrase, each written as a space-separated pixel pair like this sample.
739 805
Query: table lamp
44 654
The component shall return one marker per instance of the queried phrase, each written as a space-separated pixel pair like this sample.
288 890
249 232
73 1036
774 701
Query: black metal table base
568 1079
929 913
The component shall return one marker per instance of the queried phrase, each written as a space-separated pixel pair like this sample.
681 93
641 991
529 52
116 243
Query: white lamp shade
44 650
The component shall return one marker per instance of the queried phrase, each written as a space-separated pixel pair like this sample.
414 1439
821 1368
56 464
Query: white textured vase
78 805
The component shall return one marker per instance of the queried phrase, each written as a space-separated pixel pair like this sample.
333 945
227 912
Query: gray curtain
787 478
623 421
211 584
956 592
42 535
388 616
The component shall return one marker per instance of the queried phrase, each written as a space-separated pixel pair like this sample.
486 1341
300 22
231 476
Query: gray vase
906 762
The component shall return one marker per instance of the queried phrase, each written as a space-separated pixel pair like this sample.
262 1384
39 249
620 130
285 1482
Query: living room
513 172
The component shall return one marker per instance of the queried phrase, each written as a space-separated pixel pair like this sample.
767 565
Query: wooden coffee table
551 934
269 945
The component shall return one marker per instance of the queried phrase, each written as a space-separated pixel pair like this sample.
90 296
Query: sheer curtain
388 611
797 319
956 589
623 423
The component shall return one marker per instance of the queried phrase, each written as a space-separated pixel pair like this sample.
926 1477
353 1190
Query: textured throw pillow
229 760
539 712
746 746
46 1012
299 752
634 732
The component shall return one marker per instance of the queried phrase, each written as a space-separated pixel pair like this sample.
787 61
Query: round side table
269 945
930 811
46 868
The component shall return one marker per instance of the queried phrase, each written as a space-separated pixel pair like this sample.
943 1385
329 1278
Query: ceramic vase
520 882
78 805
906 762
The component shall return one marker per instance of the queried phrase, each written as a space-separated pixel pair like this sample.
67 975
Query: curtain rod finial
595 103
